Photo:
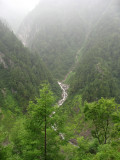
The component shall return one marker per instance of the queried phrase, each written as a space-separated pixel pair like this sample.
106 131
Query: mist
59 79
14 11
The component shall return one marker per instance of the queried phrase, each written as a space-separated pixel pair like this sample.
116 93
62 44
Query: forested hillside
76 43
98 71
21 72
58 29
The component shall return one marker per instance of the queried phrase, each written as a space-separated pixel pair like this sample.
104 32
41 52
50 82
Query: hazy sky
14 11
19 5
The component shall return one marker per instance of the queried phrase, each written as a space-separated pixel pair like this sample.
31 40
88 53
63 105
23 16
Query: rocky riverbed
64 88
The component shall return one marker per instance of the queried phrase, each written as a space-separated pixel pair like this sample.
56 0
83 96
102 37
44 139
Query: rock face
49 12
24 34
2 61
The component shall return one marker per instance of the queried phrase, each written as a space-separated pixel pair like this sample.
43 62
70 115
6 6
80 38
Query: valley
60 81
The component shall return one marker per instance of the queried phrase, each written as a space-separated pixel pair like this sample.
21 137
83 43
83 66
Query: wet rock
64 88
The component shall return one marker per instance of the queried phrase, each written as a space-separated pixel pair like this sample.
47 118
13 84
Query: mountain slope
98 72
21 72
58 29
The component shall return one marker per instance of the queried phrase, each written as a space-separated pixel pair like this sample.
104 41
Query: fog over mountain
60 80
14 11
58 29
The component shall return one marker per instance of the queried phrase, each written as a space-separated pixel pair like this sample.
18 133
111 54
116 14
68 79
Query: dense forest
21 72
97 73
57 31
69 52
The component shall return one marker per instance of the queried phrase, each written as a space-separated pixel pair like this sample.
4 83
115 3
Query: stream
64 88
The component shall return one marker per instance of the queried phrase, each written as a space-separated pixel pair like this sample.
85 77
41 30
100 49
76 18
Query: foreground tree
40 122
101 113
34 137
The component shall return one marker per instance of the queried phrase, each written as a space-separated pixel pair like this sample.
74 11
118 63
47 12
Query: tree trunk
45 136
106 132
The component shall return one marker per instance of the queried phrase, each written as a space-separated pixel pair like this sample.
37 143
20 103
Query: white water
64 88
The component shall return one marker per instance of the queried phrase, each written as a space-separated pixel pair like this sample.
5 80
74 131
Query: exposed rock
11 63
3 92
2 61
13 91
73 142
64 88
98 67
23 34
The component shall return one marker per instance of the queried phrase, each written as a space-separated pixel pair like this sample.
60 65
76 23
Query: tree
100 113
39 114
33 136
41 122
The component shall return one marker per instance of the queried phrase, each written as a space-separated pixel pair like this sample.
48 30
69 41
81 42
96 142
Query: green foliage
83 148
106 152
7 120
101 118
69 152
101 115
3 151
73 113
21 71
33 137
36 135
97 72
